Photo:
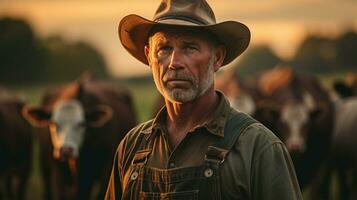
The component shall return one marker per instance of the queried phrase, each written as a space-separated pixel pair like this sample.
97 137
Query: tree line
26 58
315 55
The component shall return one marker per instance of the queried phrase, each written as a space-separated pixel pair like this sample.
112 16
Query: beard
196 88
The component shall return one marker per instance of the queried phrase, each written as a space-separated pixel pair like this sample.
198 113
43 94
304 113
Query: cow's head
295 120
67 123
290 120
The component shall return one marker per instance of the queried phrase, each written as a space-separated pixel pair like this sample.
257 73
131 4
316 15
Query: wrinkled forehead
163 34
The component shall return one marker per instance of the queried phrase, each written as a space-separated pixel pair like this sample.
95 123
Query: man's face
182 63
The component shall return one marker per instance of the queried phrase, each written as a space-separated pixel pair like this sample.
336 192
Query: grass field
144 95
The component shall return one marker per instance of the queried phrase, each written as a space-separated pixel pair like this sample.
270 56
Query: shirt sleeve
273 174
114 185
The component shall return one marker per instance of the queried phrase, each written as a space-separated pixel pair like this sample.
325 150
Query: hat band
184 18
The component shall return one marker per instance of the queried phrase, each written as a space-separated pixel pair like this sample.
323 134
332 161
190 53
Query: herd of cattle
79 125
318 127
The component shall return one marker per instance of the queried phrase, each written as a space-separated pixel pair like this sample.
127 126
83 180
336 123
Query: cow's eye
58 128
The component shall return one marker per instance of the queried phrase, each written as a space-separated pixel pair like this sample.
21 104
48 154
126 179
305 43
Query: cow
16 141
242 94
83 123
344 154
300 112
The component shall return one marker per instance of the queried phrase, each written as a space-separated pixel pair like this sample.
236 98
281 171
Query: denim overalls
197 182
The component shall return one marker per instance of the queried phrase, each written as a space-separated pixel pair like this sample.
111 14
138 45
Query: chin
181 96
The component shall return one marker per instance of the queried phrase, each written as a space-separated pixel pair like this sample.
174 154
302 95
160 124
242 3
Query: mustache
178 75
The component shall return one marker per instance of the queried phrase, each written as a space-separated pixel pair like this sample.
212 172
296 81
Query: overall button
208 173
172 165
134 175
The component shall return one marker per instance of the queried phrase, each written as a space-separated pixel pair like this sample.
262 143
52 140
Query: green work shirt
257 167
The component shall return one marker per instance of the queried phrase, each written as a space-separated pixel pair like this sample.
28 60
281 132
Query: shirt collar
214 126
157 123
219 117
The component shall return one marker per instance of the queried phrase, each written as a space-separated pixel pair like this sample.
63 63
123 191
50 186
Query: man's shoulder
261 132
132 140
255 131
139 130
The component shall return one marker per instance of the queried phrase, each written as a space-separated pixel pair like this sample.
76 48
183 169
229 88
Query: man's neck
181 118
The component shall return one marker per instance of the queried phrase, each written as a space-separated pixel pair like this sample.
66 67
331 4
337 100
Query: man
197 147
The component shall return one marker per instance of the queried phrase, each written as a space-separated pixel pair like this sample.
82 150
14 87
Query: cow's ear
37 116
99 115
342 89
316 113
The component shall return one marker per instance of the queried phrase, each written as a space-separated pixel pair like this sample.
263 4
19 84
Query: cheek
157 74
198 70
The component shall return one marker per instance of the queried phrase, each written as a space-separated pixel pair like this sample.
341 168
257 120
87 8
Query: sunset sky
282 24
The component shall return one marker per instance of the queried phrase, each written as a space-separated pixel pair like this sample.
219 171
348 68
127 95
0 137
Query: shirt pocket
184 195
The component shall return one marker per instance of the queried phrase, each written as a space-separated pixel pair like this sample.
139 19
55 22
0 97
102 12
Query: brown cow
242 94
86 121
300 111
15 148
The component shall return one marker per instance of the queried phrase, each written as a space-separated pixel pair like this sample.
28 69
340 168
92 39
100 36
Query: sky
281 24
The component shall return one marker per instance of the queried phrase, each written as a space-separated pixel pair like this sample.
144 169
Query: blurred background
49 42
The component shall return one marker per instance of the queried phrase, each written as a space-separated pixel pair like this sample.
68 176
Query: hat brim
134 30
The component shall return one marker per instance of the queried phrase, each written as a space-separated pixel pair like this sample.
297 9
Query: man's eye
191 48
163 50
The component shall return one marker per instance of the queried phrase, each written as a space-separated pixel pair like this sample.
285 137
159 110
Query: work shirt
258 165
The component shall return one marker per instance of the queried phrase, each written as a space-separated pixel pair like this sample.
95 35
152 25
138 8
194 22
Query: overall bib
197 182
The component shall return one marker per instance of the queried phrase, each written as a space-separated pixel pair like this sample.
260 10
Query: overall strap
217 152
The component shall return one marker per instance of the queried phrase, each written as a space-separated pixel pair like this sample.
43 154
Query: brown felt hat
134 30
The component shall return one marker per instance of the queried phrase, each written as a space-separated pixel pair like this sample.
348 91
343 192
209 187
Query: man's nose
176 60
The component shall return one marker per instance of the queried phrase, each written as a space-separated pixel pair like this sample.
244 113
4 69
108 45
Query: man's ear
147 53
220 55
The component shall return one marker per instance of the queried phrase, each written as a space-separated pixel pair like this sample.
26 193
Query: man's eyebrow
189 42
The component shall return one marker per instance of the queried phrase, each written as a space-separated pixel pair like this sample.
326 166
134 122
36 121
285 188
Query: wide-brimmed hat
134 30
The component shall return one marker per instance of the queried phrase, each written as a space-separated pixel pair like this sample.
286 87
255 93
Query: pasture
144 95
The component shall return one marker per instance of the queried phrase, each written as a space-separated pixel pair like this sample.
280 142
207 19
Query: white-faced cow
84 121
15 148
300 112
